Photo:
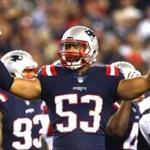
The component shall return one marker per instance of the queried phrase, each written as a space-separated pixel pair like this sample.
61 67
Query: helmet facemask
74 54
29 73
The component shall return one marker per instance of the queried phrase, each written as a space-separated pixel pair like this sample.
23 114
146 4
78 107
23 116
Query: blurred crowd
122 27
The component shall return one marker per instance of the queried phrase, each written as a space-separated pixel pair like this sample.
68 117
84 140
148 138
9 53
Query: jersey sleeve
45 76
47 70
115 76
3 97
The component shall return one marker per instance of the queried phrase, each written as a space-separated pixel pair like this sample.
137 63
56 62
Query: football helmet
85 44
128 70
17 61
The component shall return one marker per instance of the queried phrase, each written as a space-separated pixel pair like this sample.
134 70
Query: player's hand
132 74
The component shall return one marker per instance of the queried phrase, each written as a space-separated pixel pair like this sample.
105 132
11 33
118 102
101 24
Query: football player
122 127
79 95
22 122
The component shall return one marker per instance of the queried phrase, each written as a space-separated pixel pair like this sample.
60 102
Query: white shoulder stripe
48 70
2 98
112 70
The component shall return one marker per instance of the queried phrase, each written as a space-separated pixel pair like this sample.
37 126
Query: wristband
6 80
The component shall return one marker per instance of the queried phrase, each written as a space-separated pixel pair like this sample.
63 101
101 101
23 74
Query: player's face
29 73
74 51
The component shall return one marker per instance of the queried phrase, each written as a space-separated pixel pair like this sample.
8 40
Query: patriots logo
16 58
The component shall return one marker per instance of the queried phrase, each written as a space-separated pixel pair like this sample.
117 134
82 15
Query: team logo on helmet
90 33
16 58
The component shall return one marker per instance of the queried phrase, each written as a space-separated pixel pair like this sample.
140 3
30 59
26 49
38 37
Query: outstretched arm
26 89
133 88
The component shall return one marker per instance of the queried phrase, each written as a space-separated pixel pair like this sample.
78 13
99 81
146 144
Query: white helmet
17 61
128 70
83 36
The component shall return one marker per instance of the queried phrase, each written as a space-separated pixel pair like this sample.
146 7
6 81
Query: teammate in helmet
122 127
22 122
17 61
79 95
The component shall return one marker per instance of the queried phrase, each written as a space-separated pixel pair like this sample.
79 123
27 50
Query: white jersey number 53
72 116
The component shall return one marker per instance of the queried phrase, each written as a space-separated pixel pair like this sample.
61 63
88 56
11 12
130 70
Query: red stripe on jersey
112 70
53 70
108 69
116 71
44 71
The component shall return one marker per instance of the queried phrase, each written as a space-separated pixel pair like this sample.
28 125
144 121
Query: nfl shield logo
80 79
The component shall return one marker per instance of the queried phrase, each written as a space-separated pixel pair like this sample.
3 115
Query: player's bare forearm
26 89
133 88
118 122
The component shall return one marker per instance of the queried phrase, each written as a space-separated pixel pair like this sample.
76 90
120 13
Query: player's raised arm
133 88
27 89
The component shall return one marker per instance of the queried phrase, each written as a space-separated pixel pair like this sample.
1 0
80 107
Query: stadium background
122 27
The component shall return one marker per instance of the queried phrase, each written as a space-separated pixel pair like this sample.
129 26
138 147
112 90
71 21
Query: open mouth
73 59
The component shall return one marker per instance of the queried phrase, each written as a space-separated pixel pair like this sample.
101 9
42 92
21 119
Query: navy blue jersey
79 104
129 140
22 123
